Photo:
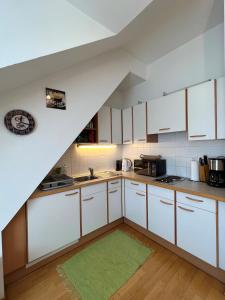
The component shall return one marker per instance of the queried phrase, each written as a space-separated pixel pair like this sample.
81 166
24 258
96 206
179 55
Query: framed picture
55 99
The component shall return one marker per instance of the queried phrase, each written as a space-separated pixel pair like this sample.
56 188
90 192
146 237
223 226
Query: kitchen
150 162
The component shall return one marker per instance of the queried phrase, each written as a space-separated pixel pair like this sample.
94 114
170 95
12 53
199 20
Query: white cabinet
127 126
201 112
221 219
161 213
114 200
196 231
136 206
139 123
167 114
116 126
221 108
104 125
93 207
53 223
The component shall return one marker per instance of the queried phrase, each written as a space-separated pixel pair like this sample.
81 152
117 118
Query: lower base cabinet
53 223
94 207
135 207
221 219
196 231
161 215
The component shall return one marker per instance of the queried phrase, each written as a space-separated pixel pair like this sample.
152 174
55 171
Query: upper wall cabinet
127 126
221 108
139 123
201 111
104 125
167 114
116 126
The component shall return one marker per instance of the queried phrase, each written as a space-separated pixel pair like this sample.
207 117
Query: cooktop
170 179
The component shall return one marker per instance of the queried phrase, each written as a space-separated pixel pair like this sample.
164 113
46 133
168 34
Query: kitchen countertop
186 186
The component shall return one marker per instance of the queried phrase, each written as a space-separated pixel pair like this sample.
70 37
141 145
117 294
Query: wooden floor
164 276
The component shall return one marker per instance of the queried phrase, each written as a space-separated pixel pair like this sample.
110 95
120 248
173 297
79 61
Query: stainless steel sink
84 178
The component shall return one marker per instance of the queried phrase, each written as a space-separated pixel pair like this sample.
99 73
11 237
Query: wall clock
19 122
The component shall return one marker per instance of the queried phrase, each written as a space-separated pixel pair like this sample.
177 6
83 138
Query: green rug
98 271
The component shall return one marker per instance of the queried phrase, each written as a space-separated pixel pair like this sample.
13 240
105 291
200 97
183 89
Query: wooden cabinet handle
198 135
163 129
166 203
112 192
141 140
186 209
75 193
139 194
115 182
126 141
134 183
195 200
88 199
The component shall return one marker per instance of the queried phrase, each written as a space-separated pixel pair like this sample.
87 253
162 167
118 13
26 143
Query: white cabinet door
167 114
201 112
116 126
94 211
104 125
53 223
127 126
222 235
221 108
139 123
196 232
135 207
114 204
161 217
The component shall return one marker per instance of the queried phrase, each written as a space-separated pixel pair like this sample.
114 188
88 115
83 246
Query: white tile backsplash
174 147
177 151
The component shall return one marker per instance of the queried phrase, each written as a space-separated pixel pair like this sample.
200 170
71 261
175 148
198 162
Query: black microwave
149 167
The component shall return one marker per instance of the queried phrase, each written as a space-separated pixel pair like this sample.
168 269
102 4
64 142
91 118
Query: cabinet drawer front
114 183
161 217
135 207
92 189
134 185
114 204
94 212
161 192
196 232
197 201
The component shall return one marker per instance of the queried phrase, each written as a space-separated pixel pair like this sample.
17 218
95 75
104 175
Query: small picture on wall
55 99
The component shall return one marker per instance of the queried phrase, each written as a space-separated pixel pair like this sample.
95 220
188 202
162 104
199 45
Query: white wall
25 160
200 59
31 29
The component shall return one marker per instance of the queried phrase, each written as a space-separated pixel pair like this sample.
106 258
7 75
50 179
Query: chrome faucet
91 172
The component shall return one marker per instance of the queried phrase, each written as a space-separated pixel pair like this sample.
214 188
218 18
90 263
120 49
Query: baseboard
213 271
18 274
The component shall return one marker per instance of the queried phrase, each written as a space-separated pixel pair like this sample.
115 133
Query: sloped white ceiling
113 14
165 25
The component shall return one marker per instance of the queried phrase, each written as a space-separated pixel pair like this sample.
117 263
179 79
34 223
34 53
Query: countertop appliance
150 167
216 172
56 181
126 164
119 165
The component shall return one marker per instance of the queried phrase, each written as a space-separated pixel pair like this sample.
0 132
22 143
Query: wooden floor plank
163 276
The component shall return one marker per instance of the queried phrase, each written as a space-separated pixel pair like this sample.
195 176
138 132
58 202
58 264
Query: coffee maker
216 171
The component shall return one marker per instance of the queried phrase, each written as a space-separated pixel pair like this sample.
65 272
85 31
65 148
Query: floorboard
163 276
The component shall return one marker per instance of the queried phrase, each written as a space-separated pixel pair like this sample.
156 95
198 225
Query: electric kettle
126 164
